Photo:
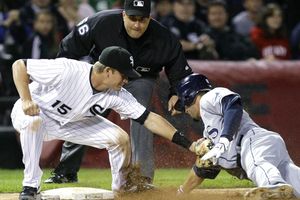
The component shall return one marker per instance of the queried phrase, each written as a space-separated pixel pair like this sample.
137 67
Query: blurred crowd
207 29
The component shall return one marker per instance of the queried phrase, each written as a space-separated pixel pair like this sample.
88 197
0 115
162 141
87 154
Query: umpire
153 48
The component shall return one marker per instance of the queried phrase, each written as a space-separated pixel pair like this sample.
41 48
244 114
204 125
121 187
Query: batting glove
217 150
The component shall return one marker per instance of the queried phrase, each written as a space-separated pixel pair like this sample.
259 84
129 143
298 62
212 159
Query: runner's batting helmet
189 87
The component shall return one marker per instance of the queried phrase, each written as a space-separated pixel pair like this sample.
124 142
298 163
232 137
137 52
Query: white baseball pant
97 132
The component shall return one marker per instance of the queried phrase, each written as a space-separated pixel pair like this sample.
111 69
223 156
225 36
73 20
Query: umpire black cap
137 7
119 59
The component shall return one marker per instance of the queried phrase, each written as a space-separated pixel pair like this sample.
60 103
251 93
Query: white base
77 193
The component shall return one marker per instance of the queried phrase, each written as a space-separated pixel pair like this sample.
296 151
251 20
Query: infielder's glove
203 146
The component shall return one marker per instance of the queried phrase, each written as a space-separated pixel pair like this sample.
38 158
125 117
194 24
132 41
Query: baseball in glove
201 148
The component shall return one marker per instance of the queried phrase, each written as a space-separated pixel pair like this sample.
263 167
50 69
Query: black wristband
180 139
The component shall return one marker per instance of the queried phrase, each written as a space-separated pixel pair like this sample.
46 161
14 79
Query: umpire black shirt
155 49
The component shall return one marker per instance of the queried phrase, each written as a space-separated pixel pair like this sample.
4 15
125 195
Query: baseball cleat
61 178
130 188
145 187
29 193
279 191
140 188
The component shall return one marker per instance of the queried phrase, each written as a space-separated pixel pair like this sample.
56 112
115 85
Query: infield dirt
198 194
170 194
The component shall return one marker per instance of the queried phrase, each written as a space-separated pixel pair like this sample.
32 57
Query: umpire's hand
171 105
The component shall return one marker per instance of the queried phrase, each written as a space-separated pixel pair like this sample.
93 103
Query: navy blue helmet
189 87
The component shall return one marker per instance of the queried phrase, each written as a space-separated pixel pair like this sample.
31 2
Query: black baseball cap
137 7
119 59
184 0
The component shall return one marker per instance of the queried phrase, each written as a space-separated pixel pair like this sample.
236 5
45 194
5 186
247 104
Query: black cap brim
131 74
136 13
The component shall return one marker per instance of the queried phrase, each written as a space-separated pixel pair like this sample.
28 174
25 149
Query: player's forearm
191 182
160 126
21 79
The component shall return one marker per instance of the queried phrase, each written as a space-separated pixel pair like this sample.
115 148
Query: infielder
240 145
64 101
153 47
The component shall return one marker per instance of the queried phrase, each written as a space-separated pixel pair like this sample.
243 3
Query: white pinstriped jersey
213 119
62 89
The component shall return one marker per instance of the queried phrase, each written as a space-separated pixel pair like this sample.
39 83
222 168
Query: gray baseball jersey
212 115
263 153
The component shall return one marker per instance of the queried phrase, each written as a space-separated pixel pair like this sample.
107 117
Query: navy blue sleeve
208 173
232 110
